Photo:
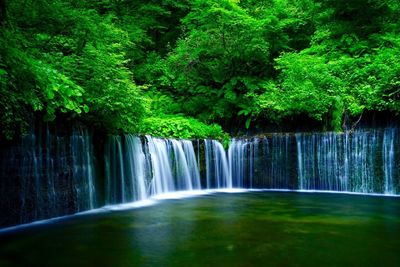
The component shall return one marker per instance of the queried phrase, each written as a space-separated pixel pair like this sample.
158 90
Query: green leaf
248 121
85 108
50 94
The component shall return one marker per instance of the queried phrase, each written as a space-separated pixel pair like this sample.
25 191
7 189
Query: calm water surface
246 229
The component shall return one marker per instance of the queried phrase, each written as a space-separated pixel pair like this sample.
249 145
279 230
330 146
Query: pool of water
222 229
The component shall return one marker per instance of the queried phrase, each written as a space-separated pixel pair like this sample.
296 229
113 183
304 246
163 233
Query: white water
136 167
218 173
140 169
236 158
192 164
161 169
347 162
83 170
182 174
153 167
389 160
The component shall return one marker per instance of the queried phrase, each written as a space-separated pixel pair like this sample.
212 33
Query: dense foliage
171 67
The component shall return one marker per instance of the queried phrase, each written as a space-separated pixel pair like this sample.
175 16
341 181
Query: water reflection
251 229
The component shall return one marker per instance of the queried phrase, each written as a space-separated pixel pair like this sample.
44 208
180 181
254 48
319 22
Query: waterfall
280 161
261 163
162 181
47 175
125 170
115 171
192 163
320 161
136 167
242 159
348 161
83 170
136 170
208 158
253 161
218 174
236 158
182 174
389 160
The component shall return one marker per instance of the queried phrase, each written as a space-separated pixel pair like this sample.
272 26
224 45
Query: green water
247 229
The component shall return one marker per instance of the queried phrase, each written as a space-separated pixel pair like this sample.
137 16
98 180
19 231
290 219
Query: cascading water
265 162
174 165
182 174
192 164
242 155
217 170
236 156
389 160
125 170
83 169
49 175
253 154
348 161
162 180
136 170
115 172
137 167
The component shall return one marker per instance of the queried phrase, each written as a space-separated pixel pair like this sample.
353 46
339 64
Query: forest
197 68
200 133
